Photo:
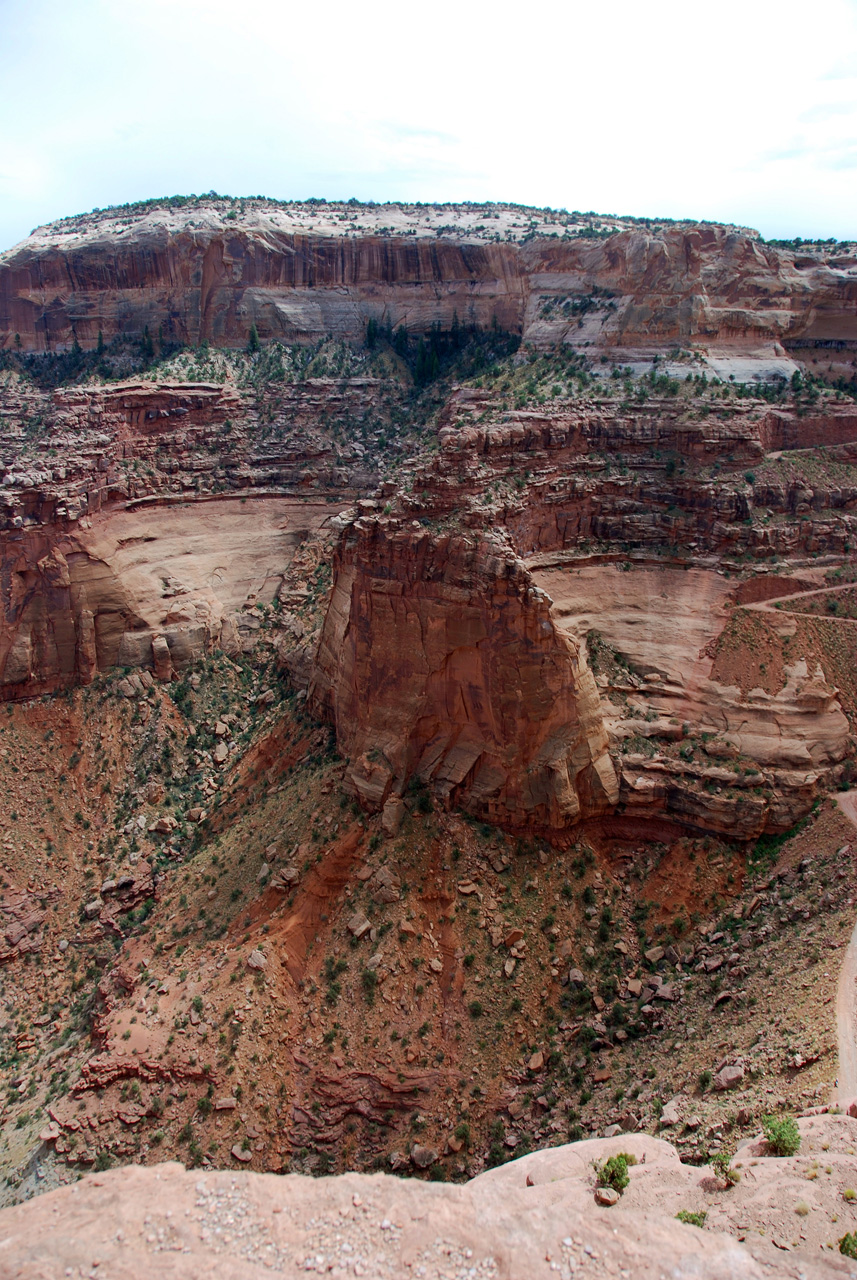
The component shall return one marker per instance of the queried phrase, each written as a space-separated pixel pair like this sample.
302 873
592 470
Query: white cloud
743 112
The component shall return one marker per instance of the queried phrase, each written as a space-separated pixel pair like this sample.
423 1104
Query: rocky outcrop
100 447
449 657
607 472
439 662
443 661
299 273
147 587
538 1217
104 562
693 745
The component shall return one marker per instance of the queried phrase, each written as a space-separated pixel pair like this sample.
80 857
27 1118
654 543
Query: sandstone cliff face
121 525
439 660
297 277
114 593
125 539
602 474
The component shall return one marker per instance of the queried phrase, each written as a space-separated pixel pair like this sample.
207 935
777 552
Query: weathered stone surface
161 658
729 1077
392 815
607 1196
358 925
105 598
423 1156
385 885
296 275
671 1114
439 659
509 1219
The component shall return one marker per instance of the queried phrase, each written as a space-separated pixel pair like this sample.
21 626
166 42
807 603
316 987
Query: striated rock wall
606 472
439 660
115 592
78 450
571 488
121 524
193 277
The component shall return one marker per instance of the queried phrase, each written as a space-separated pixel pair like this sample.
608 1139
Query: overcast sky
741 111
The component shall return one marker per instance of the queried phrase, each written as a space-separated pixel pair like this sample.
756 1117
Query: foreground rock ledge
166 1221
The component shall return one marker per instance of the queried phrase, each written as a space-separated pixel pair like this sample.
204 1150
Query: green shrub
613 1172
782 1134
722 1166
692 1219
848 1244
369 979
462 1132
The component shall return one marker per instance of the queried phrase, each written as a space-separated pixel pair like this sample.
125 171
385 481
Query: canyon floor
427 747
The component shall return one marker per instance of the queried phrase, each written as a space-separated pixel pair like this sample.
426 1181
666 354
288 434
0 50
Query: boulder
392 815
385 885
358 926
671 1114
729 1077
422 1157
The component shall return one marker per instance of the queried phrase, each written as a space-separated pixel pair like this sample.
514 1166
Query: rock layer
439 660
296 274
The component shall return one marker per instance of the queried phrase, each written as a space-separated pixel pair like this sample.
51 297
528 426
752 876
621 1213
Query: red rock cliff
196 275
439 659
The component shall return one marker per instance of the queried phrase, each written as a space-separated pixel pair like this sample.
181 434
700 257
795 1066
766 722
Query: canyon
428 656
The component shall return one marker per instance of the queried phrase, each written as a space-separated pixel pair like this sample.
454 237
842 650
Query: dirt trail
768 606
846 996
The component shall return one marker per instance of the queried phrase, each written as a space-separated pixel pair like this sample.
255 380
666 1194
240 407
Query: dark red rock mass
440 661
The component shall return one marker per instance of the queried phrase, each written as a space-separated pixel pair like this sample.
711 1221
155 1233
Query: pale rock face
98 599
665 622
536 1217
